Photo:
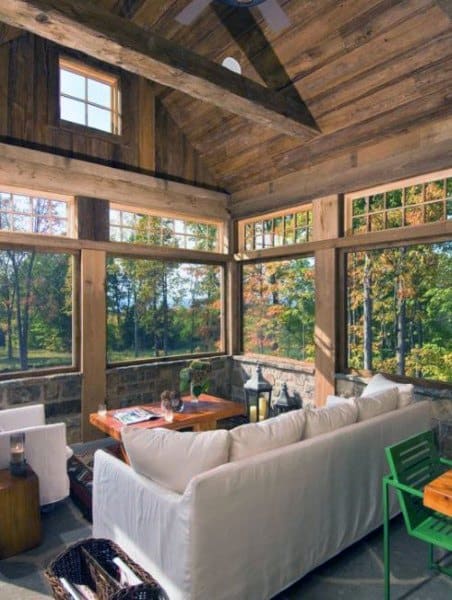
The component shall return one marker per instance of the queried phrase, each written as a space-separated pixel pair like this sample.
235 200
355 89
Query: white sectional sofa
250 528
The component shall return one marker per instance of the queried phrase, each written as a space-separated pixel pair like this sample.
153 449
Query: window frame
113 253
220 249
99 75
24 191
388 187
269 358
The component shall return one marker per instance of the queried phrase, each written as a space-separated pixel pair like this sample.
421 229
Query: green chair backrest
414 462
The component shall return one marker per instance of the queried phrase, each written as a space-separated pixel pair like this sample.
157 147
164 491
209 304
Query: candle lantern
258 394
283 403
18 464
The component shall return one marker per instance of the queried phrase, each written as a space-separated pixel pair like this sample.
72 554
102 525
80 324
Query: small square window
89 97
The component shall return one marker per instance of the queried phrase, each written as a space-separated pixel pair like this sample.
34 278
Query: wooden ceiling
366 69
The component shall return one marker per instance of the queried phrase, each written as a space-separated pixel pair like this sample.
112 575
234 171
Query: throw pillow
377 404
379 382
335 400
254 438
324 420
173 458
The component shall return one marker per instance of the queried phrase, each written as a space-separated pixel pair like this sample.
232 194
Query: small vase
194 396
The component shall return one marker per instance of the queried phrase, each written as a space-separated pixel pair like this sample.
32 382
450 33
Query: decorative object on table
177 403
258 394
283 402
195 378
100 567
166 406
102 409
18 464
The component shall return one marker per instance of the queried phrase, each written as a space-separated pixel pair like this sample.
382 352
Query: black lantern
18 464
283 403
258 394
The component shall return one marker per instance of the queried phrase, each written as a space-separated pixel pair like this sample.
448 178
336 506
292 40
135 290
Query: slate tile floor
356 574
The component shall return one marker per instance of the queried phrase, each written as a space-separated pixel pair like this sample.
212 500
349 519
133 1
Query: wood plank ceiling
366 69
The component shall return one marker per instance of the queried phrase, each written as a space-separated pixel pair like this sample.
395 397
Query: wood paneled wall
150 141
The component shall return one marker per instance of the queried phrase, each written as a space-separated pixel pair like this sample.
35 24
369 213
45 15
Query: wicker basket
90 562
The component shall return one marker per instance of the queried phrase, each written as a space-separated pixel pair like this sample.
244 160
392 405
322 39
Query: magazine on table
135 415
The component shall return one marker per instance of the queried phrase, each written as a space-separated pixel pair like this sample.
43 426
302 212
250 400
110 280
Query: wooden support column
93 337
92 219
233 307
146 110
327 225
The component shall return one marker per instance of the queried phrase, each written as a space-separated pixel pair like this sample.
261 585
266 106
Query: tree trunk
367 314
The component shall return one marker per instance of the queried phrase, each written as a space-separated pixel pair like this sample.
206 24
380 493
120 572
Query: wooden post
233 286
327 215
92 219
146 139
93 337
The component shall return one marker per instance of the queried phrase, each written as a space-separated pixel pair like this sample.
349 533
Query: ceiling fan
272 12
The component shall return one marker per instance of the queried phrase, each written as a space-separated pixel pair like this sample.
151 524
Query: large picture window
30 213
399 310
278 308
35 310
158 308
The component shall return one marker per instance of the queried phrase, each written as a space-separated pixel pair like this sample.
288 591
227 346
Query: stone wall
351 385
299 379
139 384
61 395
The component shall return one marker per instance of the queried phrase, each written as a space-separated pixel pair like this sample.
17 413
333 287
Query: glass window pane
46 339
99 93
359 206
59 209
99 118
376 202
359 225
302 219
449 209
278 308
21 204
22 223
414 215
72 110
301 235
182 317
377 222
394 218
434 212
72 84
394 198
414 194
434 190
449 187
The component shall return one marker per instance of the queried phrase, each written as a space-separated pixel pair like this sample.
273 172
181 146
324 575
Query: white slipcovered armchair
45 449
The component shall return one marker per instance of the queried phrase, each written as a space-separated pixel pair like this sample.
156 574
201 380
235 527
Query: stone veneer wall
299 379
351 385
61 395
139 384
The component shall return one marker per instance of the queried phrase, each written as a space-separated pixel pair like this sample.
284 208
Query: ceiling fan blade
274 15
192 11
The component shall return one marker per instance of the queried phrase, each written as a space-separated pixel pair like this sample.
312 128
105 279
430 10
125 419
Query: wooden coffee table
200 416
438 494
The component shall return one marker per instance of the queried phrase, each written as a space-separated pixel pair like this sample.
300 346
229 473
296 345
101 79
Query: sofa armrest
148 522
23 416
45 451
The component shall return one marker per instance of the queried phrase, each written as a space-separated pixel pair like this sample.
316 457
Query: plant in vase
195 378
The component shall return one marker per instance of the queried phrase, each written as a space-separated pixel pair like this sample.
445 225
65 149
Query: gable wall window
89 97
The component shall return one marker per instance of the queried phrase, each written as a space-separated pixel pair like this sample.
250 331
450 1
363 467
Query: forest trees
399 310
279 308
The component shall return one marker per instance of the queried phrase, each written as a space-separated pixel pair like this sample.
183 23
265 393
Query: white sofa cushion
377 404
254 438
323 420
379 383
173 458
332 400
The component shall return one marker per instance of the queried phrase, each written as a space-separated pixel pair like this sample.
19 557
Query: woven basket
76 564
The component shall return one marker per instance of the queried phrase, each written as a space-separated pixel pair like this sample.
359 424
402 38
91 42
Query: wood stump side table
20 520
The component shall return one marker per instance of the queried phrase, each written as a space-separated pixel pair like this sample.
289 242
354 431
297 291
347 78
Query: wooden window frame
94 74
23 191
383 189
293 211
220 225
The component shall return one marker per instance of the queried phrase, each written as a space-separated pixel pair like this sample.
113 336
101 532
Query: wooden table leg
205 426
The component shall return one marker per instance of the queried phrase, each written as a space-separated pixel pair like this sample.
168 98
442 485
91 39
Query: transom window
420 202
277 229
32 213
146 228
89 97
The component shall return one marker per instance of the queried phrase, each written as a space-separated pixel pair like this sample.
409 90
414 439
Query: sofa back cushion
173 458
324 420
332 400
379 383
377 404
254 438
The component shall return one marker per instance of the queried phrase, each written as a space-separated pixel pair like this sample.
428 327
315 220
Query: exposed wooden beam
419 150
47 172
8 33
115 40
446 6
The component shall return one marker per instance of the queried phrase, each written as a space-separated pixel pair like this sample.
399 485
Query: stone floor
356 574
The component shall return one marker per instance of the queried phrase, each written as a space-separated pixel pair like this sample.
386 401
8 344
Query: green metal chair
413 463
